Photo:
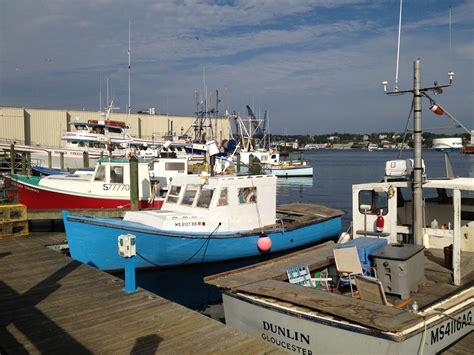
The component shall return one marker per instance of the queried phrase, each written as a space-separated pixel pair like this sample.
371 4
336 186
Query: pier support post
28 164
61 160
50 159
238 164
133 183
85 159
23 163
12 159
130 284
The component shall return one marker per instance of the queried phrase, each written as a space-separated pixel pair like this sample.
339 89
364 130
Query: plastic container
434 224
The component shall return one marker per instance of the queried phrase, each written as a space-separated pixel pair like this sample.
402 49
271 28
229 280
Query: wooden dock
50 303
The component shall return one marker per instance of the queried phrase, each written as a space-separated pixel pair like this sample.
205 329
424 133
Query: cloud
308 60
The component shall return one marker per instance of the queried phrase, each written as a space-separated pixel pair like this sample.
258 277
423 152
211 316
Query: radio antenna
398 45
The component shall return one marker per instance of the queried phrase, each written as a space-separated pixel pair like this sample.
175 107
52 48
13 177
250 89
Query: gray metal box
400 268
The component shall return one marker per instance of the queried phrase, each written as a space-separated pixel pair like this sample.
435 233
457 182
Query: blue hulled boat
204 219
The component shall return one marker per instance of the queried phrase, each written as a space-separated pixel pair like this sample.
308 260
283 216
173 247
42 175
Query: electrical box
127 245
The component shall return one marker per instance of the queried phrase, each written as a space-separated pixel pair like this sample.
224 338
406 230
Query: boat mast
398 45
417 179
129 69
418 168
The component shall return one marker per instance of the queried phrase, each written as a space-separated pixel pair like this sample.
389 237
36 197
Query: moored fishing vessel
107 186
447 144
427 263
204 219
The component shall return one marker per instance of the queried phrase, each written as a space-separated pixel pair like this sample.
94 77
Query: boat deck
50 303
297 214
267 281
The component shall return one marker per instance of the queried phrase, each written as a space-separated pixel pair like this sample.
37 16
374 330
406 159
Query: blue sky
315 66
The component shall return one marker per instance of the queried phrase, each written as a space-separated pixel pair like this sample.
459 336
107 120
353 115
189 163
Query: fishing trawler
204 219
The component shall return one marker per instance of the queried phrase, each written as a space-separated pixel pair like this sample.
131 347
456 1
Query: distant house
365 137
333 138
382 136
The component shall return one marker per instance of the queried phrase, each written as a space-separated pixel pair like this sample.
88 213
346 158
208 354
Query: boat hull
93 241
38 197
298 333
291 171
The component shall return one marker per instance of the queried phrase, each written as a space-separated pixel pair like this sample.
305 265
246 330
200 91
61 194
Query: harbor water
335 171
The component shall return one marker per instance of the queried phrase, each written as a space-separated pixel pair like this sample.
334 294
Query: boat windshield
173 194
223 200
205 198
190 194
100 174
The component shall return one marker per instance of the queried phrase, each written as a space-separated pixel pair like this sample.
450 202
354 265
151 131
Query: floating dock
50 303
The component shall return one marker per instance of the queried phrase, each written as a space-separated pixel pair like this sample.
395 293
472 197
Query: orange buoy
264 242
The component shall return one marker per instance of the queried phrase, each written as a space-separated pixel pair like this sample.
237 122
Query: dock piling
133 183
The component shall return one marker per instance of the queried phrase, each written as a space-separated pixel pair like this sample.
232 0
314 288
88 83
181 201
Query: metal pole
456 238
417 169
12 159
133 183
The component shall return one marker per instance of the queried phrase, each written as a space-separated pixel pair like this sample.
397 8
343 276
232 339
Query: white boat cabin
265 156
224 203
111 177
448 213
164 170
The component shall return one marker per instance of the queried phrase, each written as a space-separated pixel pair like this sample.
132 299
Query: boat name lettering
450 327
286 332
116 187
286 345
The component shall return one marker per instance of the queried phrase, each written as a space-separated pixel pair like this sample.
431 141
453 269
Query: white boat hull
300 333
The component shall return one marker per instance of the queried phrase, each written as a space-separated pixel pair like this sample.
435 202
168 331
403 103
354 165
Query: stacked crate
13 221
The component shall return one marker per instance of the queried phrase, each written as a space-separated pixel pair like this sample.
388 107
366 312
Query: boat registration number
450 327
116 187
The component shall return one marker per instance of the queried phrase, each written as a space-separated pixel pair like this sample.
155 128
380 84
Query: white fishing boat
447 144
421 297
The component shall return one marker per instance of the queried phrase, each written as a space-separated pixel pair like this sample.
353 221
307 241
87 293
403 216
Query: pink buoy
264 242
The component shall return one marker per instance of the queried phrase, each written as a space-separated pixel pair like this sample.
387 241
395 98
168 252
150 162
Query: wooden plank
461 347
372 315
51 304
315 257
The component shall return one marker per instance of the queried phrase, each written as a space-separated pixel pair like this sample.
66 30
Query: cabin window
205 198
263 158
116 174
173 194
248 195
370 202
114 129
223 199
174 166
100 174
190 194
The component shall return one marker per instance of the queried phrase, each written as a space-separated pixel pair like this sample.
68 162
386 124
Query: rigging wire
406 127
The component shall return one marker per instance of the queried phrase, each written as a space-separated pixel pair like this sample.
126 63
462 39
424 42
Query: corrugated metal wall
12 125
45 126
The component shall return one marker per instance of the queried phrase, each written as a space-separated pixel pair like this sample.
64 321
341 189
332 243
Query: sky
315 66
